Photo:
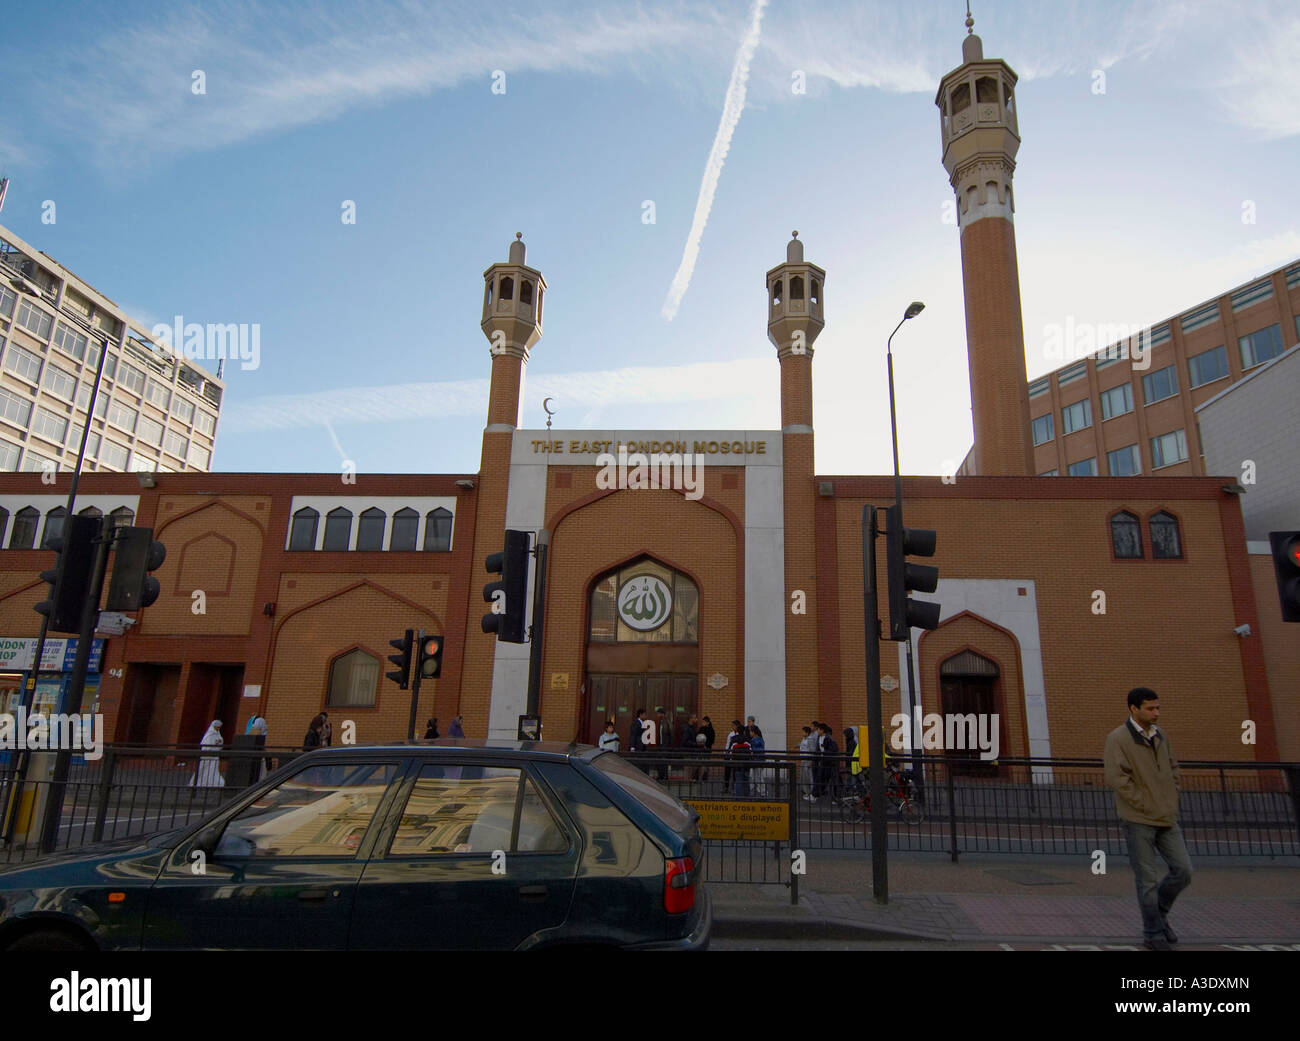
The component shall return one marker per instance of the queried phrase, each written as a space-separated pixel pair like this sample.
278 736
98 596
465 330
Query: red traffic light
430 667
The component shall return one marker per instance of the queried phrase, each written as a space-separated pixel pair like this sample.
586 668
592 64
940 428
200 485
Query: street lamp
913 309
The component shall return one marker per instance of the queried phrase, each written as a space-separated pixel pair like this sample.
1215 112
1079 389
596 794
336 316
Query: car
452 844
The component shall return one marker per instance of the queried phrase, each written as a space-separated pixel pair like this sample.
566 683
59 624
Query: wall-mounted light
146 479
465 483
268 609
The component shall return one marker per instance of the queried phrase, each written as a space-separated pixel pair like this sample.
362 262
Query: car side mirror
207 839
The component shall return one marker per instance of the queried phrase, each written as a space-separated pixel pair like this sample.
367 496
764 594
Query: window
1117 401
1084 468
83 395
53 525
1168 449
34 462
101 403
175 444
1074 372
370 529
406 522
1043 429
122 517
1124 462
122 416
1126 536
130 377
34 320
142 463
1166 543
1161 384
472 809
158 394
1050 473
7 300
74 441
9 456
70 341
183 408
22 362
321 811
15 409
1040 386
302 533
338 530
1208 366
1076 416
199 456
649 594
205 423
50 426
149 429
1259 347
112 456
110 367
60 383
23 535
354 677
437 531
4 519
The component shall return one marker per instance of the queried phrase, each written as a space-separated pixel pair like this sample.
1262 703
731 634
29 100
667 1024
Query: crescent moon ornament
548 411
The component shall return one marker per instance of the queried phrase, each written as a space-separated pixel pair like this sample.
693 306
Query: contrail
731 110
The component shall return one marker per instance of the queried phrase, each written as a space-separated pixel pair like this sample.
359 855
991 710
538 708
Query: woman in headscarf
313 737
457 727
431 731
209 772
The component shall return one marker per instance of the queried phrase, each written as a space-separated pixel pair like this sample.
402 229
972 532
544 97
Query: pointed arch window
354 680
338 530
1166 541
1126 536
406 523
90 511
4 519
525 292
796 287
960 98
986 90
53 525
370 529
816 292
122 517
507 288
645 602
302 534
437 531
776 293
23 535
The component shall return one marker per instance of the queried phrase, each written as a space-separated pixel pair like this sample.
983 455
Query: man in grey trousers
1141 768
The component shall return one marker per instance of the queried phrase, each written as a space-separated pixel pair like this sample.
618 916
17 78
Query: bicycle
900 797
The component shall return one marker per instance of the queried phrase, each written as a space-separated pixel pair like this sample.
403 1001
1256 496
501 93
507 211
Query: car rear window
645 790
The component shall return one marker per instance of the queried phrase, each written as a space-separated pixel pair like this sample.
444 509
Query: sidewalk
996 899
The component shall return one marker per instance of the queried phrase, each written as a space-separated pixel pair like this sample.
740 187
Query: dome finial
794 234
519 234
970 22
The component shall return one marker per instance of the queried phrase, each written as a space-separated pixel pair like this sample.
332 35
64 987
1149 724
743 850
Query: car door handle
313 895
533 892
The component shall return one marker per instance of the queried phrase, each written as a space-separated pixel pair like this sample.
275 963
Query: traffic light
132 586
430 666
403 660
1286 565
904 612
507 596
69 579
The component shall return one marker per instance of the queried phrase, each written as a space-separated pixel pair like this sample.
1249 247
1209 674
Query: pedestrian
710 736
208 775
457 728
807 749
609 739
431 729
313 736
851 758
326 730
830 762
732 737
663 739
636 736
686 742
257 728
1141 768
757 748
739 749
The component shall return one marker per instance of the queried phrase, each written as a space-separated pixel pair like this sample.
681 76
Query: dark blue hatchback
447 845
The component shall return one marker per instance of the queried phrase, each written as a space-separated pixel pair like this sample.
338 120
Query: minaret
512 323
977 107
794 321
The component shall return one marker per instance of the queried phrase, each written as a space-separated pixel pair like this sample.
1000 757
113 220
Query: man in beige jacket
1141 767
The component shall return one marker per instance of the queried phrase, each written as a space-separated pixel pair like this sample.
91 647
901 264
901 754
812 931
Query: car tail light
679 891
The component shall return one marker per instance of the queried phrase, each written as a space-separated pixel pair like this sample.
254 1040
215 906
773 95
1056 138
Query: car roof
492 748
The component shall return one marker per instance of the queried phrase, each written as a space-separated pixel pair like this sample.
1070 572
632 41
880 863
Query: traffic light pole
416 644
76 688
875 728
539 610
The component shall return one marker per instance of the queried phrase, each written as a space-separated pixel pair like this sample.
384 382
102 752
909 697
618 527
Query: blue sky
226 206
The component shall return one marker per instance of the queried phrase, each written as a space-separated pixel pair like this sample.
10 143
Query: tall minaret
512 323
794 320
977 107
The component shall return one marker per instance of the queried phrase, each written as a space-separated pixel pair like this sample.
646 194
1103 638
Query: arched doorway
968 686
643 647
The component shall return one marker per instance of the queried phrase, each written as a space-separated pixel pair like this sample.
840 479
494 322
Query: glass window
14 408
53 525
60 383
113 456
1124 462
34 462
70 341
34 320
74 441
1043 429
302 533
1076 416
175 444
122 416
1166 544
662 606
322 811
101 404
90 511
603 625
4 520
130 377
143 463
649 793
406 523
150 429
183 408
9 453
437 531
370 529
1168 449
1117 401
23 535
7 300
122 517
1161 384
199 456
23 362
158 394
1084 468
205 423
83 395
338 530
1208 366
354 678
110 366
470 809
1259 347
1050 473
50 426
1126 536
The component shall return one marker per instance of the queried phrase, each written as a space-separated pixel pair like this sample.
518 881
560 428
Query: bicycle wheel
909 809
854 810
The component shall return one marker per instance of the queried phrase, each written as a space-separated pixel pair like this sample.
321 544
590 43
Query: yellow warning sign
742 819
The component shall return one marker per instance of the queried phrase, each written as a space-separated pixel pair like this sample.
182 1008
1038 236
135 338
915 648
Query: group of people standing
821 776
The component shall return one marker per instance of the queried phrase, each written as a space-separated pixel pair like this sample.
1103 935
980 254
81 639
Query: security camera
1242 630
